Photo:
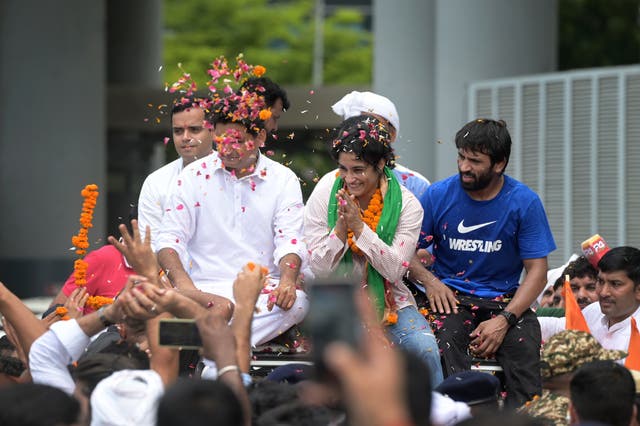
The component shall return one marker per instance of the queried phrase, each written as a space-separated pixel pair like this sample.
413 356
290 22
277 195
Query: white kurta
615 337
221 222
154 195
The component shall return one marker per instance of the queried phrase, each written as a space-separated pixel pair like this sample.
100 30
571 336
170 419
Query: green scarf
386 230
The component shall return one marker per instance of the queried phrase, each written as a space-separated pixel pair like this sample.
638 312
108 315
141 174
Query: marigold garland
81 243
62 312
371 217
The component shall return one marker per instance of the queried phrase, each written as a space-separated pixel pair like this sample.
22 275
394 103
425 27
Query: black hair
10 364
242 109
197 402
626 259
192 101
580 268
31 404
268 89
92 367
487 136
603 391
366 137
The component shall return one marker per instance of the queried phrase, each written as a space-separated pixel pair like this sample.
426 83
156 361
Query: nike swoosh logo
466 229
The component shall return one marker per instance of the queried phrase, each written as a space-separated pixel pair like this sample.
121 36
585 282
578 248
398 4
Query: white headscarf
554 274
355 103
127 398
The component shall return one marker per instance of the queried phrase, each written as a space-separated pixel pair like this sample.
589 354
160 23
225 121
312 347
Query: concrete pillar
428 51
479 40
134 43
52 135
404 71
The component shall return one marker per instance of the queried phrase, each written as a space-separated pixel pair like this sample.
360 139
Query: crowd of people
222 236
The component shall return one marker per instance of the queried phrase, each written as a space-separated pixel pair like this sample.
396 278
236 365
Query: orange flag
572 312
633 359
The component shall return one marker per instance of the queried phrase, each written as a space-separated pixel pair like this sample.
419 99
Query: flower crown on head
241 105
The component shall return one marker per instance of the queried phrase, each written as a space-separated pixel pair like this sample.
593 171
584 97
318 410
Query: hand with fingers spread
138 252
76 301
441 298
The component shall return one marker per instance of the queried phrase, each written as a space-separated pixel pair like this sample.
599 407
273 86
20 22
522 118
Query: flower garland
81 243
371 217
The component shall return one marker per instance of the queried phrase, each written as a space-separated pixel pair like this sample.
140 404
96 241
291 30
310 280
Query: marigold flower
265 114
96 302
62 312
371 217
392 318
259 70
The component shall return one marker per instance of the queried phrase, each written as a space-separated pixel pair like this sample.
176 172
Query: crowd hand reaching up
219 345
138 253
76 301
74 306
248 284
373 382
218 341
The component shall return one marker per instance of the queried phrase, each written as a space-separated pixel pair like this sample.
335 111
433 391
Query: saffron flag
633 359
572 312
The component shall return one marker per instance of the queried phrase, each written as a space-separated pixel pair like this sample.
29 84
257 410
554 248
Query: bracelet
227 369
103 318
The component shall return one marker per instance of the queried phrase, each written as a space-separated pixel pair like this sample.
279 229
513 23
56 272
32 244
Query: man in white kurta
618 290
192 136
223 222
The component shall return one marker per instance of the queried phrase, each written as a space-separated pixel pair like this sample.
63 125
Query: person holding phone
361 223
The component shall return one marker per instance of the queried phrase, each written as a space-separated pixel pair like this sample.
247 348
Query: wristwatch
103 318
510 316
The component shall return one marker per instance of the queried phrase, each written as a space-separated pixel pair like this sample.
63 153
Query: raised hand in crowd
138 252
246 290
219 345
76 301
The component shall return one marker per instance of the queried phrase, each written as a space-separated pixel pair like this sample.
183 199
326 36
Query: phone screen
179 333
332 317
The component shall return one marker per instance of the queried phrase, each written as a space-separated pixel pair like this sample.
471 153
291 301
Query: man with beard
485 227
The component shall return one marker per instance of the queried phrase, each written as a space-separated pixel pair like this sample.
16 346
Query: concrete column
134 43
404 71
52 135
479 40
428 51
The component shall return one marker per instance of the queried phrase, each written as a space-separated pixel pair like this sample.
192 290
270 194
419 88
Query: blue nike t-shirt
479 245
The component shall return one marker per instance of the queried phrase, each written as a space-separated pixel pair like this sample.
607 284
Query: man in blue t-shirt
485 227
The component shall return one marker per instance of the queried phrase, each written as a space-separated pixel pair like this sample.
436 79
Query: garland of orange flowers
371 217
81 243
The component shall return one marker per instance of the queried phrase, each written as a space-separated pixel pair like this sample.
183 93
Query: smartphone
332 317
179 333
